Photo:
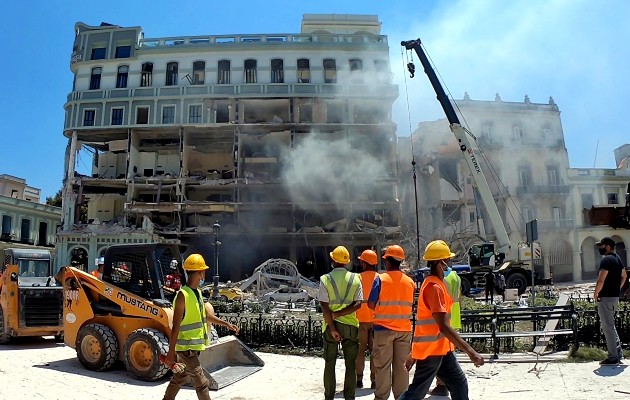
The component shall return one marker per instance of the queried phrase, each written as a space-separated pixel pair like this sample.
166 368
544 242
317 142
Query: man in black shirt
612 276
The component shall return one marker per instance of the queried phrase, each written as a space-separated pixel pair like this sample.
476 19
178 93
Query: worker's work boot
439 390
359 383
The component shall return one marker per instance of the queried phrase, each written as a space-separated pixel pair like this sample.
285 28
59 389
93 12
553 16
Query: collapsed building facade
276 145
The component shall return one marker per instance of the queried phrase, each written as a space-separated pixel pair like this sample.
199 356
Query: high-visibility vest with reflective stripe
395 302
427 339
453 283
365 313
193 331
342 287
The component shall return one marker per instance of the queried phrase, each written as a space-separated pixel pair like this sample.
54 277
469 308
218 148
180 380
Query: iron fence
305 333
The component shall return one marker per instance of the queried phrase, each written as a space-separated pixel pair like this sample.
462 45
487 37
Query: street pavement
36 368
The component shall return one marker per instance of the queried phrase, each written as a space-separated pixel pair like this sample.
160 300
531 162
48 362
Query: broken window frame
330 70
277 70
383 75
89 116
304 70
146 78
223 72
172 70
199 72
138 108
356 70
195 114
166 110
121 76
250 66
95 78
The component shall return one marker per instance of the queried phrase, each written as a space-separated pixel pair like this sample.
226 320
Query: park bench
500 324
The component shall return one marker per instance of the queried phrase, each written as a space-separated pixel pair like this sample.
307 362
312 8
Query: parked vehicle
288 294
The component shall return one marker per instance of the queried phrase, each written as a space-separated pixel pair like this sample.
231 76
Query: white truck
514 261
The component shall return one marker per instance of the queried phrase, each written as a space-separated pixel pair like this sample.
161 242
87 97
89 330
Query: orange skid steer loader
128 316
30 299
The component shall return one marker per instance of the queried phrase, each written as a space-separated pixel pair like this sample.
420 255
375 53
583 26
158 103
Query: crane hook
412 69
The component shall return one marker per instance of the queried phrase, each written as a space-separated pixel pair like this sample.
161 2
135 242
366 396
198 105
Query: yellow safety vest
453 284
193 331
332 282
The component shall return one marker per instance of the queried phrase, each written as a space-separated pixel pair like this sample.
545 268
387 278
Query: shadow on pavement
31 342
118 374
609 370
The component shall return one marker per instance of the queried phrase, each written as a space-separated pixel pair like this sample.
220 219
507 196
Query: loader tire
142 354
97 347
4 337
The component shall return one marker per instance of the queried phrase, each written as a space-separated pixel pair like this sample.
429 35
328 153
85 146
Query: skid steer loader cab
30 298
128 316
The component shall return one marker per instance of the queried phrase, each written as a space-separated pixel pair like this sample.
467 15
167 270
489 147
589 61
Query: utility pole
216 229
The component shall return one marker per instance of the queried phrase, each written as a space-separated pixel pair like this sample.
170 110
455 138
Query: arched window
304 70
146 79
277 71
171 74
95 78
223 77
121 77
250 71
199 72
330 71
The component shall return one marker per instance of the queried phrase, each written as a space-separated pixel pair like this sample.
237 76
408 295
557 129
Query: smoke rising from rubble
325 171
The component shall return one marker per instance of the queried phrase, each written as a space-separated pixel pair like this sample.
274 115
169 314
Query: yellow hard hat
340 255
369 256
437 250
395 251
195 262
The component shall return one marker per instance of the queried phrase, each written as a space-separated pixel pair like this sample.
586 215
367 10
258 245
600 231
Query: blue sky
573 50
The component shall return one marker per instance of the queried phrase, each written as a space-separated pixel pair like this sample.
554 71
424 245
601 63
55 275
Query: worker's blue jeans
446 368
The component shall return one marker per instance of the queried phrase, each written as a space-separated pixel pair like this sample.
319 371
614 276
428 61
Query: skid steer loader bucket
228 360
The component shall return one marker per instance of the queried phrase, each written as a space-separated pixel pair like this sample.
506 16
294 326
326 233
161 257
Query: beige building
599 196
284 140
25 221
525 162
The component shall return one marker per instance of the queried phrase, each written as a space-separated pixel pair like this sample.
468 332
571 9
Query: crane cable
413 158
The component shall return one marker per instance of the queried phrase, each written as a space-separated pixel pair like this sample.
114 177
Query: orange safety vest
395 302
427 338
96 274
365 313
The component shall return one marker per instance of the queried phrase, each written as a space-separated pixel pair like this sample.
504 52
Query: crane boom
468 147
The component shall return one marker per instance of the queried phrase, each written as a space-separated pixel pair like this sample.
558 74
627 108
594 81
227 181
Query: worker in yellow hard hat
434 339
340 295
391 298
190 334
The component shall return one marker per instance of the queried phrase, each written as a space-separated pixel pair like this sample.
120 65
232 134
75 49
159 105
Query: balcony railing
543 189
245 89
555 224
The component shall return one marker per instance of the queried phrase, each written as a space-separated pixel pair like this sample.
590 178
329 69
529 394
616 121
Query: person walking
453 283
365 315
340 295
611 278
434 339
489 287
190 333
391 298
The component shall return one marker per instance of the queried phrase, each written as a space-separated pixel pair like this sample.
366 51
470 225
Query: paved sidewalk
42 369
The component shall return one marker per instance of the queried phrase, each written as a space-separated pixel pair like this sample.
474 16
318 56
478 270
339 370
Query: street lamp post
216 229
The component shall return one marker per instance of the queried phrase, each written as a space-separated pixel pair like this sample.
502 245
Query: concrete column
69 198
577 266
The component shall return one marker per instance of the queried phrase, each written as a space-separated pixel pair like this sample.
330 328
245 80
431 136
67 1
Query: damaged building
525 161
282 144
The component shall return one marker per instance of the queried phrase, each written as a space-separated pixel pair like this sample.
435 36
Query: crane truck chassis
128 316
512 261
